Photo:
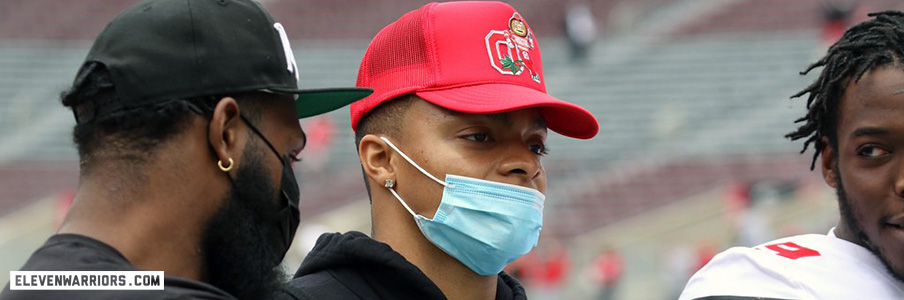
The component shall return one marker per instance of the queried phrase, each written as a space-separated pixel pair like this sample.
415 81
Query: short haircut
134 133
386 120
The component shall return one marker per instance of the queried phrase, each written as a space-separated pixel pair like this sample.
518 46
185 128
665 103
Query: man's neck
454 279
844 231
139 222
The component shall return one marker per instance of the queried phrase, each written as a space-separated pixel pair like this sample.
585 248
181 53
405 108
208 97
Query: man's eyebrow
869 131
503 118
539 124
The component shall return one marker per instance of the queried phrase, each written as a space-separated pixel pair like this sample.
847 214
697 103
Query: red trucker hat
471 57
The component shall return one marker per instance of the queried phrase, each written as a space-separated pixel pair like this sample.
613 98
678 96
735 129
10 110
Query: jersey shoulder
777 269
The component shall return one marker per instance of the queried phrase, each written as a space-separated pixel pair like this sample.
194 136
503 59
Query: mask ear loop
391 145
391 185
394 193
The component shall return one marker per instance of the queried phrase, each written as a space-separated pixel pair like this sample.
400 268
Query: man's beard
237 257
856 226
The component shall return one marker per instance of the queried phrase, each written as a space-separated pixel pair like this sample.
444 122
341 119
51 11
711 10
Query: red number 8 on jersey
792 250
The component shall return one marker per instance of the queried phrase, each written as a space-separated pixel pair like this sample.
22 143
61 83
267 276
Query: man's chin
891 256
856 226
238 257
238 261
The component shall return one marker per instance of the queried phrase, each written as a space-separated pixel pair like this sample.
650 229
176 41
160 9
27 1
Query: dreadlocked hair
866 46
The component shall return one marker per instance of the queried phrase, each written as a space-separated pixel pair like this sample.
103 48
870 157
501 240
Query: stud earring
389 183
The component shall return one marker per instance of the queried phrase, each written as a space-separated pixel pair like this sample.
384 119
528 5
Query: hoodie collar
377 259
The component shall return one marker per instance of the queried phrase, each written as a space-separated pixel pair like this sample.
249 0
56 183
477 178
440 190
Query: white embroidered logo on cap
290 57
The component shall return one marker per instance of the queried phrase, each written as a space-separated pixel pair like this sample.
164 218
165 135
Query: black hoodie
355 266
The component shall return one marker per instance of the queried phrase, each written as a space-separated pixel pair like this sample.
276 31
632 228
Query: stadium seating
691 108
717 94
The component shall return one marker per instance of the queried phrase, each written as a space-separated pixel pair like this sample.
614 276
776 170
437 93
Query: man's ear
829 163
374 155
225 134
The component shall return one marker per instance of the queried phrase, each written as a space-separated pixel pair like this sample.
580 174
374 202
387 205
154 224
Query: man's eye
871 151
478 137
539 149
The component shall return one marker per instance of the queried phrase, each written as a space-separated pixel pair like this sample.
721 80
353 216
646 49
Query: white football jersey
810 266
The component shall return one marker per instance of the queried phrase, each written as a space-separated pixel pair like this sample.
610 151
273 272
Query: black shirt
71 252
355 266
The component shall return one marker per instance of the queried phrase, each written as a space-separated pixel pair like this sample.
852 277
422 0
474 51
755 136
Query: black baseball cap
159 50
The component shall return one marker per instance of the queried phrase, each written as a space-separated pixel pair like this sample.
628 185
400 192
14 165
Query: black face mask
280 234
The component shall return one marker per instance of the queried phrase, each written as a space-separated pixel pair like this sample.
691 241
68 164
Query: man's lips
896 221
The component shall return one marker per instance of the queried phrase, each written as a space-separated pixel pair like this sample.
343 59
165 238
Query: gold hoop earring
225 169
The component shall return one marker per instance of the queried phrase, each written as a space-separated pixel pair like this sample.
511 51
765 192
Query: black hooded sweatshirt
355 266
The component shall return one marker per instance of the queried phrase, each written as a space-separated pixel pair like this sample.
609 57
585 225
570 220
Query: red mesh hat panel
396 62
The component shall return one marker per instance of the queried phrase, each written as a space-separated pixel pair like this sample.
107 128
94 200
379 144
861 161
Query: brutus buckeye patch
510 50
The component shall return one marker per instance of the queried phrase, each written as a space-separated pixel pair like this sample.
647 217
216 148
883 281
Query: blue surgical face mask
483 224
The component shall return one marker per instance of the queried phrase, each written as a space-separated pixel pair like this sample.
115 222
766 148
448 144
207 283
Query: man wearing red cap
450 144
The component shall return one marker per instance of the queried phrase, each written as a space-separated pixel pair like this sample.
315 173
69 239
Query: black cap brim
320 101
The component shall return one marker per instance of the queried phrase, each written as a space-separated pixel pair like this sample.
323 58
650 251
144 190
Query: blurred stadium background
692 97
